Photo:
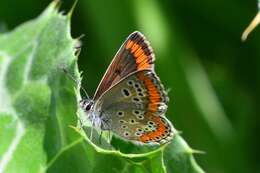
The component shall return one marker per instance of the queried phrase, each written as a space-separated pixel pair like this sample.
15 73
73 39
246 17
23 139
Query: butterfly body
130 100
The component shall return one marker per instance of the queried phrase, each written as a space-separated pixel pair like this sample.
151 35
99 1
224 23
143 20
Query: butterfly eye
88 107
86 104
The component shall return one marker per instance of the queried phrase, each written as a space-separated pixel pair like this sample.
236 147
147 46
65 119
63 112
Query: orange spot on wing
144 138
139 52
153 93
134 47
142 60
129 44
158 133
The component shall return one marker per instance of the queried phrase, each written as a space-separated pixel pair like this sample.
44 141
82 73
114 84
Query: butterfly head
86 104
98 120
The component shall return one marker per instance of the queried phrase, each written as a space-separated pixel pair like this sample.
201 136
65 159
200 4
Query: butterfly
130 100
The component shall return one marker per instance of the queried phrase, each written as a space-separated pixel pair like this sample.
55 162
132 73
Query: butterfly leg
81 124
109 136
100 137
91 131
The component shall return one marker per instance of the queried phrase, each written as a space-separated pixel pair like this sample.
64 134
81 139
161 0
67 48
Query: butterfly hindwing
134 55
135 108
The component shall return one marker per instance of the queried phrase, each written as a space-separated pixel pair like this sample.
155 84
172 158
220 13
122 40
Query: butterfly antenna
75 80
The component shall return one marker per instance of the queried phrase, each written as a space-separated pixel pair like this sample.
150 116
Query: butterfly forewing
134 55
135 108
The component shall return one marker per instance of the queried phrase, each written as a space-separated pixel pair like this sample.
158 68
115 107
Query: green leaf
179 157
38 104
37 101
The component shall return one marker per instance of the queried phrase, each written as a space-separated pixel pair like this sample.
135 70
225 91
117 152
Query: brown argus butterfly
130 100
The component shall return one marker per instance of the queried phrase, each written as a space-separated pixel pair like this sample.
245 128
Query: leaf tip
72 9
194 151
177 132
56 4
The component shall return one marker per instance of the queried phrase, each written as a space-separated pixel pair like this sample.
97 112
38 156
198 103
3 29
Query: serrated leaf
37 101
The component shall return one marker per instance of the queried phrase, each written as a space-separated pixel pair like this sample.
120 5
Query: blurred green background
213 77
